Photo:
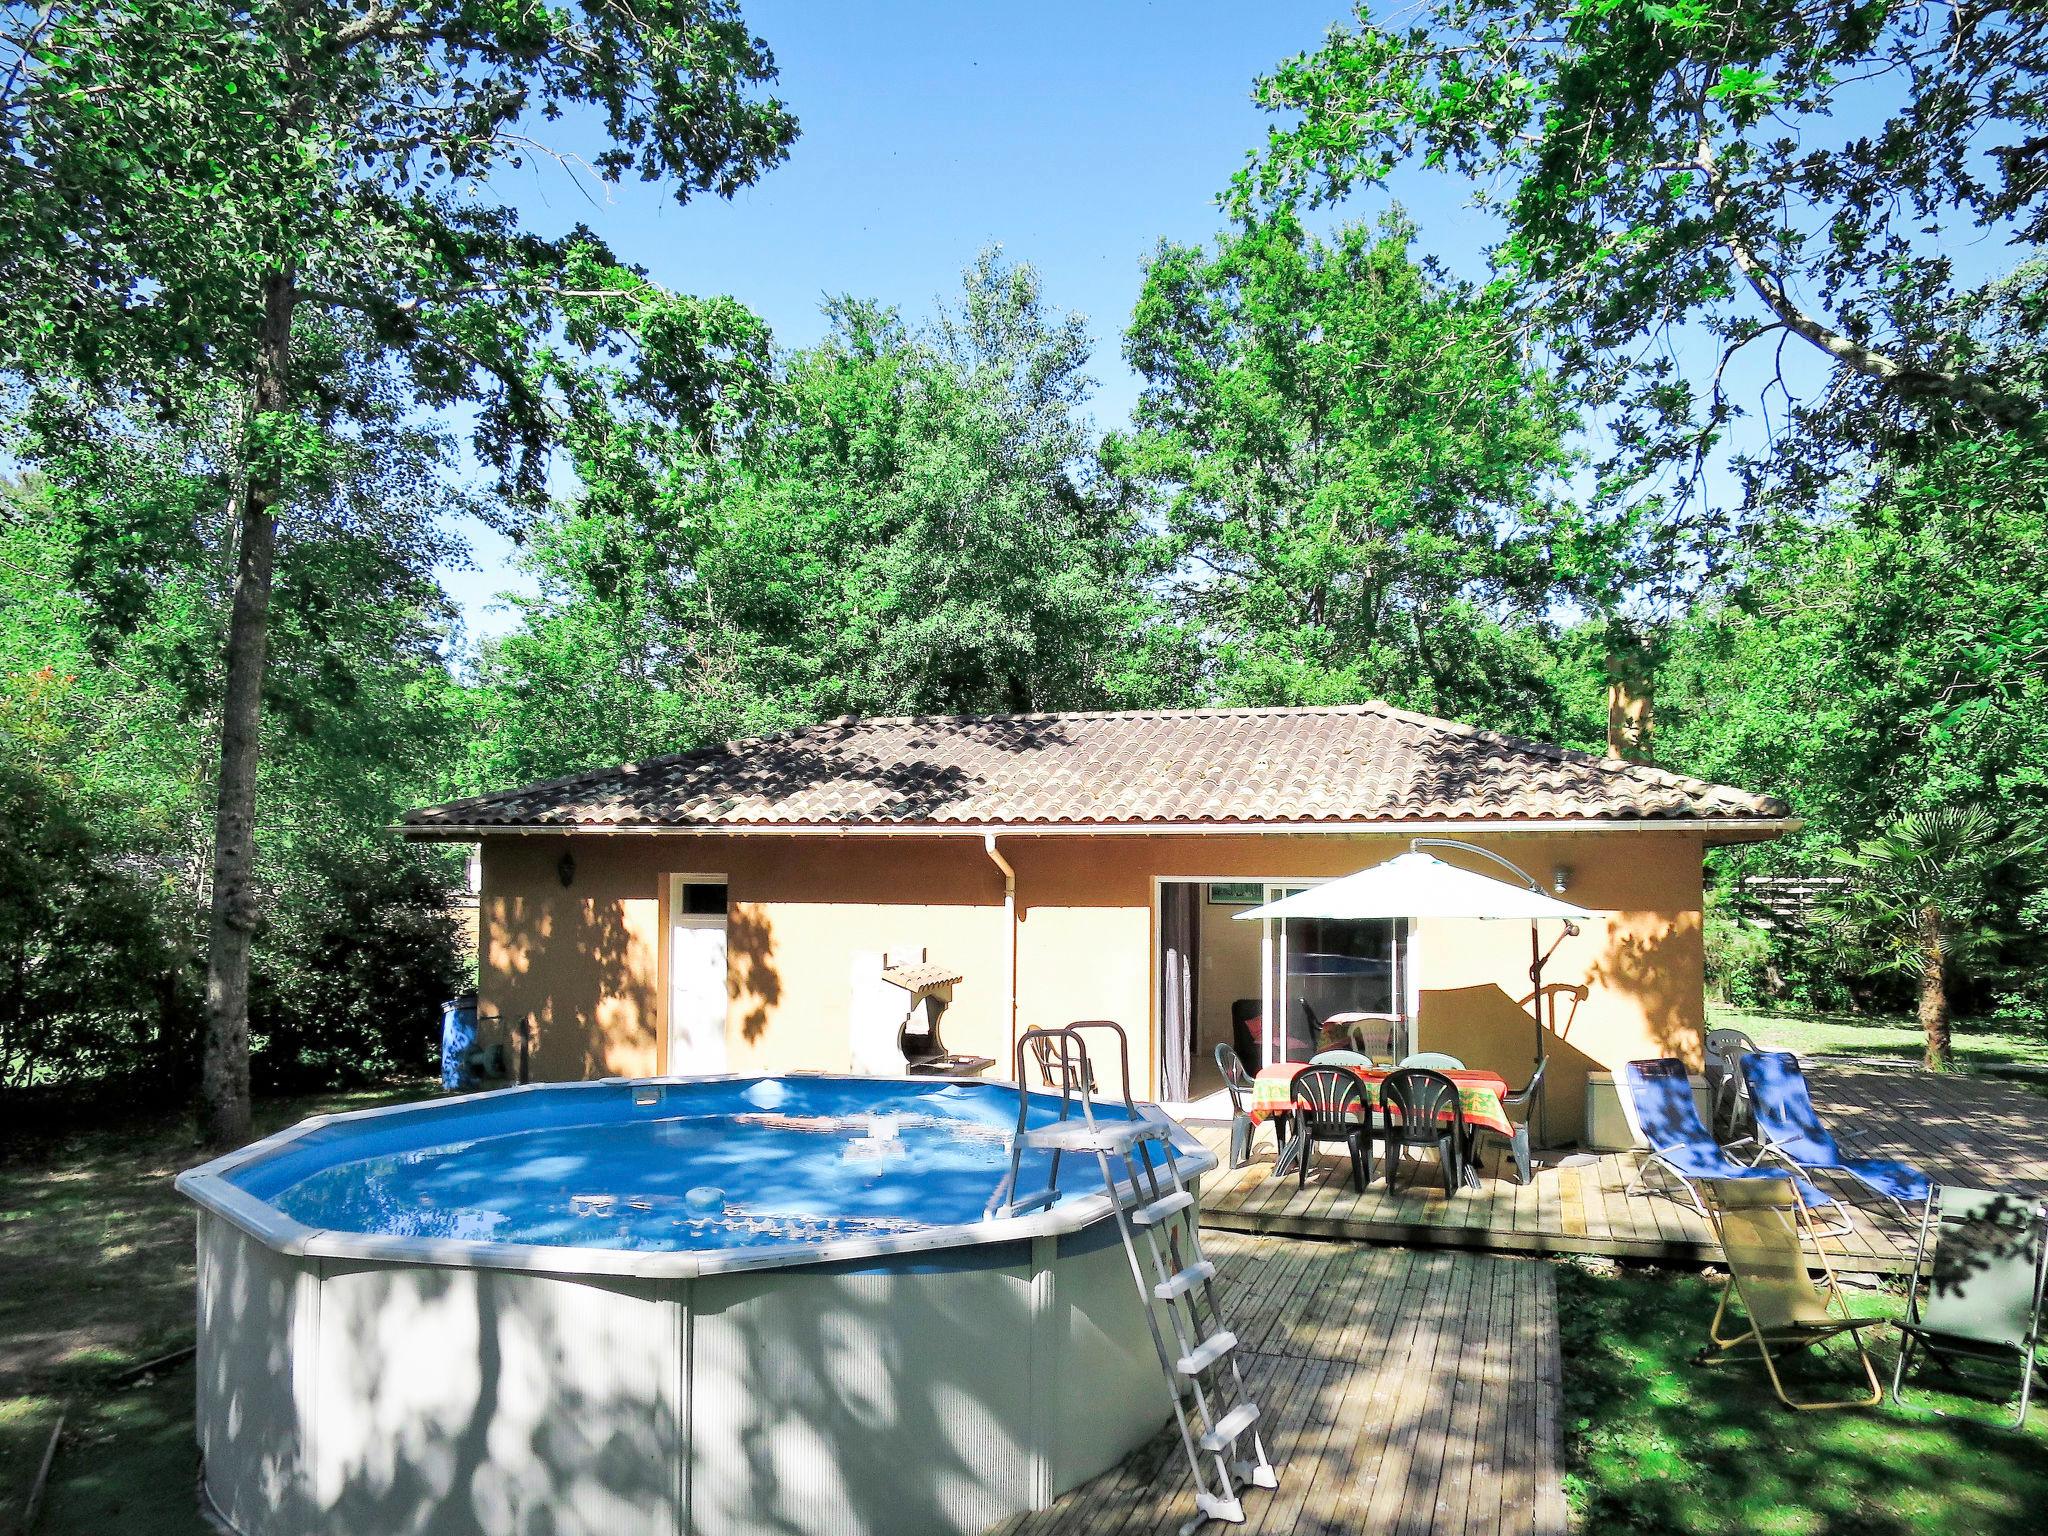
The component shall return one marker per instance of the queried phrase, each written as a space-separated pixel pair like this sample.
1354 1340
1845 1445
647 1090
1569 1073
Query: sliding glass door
1333 982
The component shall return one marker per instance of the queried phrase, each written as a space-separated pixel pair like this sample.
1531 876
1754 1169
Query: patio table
1480 1093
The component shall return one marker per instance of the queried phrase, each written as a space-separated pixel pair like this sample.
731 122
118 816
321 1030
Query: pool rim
209 1187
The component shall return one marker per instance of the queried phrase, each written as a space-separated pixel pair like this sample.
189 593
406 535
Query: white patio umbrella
1416 884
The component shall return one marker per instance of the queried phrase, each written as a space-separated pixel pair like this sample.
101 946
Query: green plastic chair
1340 1058
1980 1298
1433 1061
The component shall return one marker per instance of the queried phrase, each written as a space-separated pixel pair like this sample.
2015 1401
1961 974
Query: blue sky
1076 135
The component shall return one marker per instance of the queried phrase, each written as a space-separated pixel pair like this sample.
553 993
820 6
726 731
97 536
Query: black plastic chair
1517 1105
1331 1106
1238 1084
1244 1013
1420 1108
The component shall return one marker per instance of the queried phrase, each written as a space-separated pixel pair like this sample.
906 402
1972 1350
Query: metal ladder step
1185 1281
1031 1202
1158 1211
1230 1426
1206 1353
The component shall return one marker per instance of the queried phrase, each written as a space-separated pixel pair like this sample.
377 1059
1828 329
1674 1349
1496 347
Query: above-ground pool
724 1305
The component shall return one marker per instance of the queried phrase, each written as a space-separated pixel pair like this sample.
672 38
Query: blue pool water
665 1167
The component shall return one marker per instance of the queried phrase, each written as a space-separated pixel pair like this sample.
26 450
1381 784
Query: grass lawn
96 1254
1655 1442
1887 1039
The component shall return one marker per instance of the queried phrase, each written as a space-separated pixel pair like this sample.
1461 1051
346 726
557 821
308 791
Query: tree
109 689
1769 172
906 518
1357 469
186 187
1921 893
1880 661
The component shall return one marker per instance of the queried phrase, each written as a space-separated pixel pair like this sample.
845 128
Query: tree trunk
224 1070
1934 1021
1631 695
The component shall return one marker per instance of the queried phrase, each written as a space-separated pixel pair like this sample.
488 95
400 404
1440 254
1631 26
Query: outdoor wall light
1560 878
566 868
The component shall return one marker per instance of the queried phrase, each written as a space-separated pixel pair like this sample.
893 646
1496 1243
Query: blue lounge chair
1661 1111
1789 1129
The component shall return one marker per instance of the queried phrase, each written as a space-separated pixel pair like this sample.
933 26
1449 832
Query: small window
703 900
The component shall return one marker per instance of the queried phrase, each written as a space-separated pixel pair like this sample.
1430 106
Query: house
728 909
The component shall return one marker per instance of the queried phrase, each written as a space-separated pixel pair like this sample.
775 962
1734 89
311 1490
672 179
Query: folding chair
1789 1128
1982 1297
1765 1234
1657 1098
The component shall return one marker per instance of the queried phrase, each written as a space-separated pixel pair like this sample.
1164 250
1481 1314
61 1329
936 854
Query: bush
348 980
92 983
1740 966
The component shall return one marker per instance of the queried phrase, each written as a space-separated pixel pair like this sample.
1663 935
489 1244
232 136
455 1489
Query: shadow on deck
1961 1130
1417 1391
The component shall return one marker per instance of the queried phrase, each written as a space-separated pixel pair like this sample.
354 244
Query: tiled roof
1200 768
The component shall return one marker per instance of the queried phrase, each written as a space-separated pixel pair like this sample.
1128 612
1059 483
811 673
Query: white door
696 976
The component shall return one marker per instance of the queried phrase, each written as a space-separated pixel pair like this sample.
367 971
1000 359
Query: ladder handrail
1073 1053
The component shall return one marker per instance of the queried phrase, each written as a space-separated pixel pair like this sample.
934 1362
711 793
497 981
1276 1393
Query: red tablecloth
1479 1092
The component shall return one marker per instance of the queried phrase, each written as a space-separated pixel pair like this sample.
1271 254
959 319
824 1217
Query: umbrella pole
1536 1011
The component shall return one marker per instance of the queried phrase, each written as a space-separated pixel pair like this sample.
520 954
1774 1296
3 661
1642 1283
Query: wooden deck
1401 1391
1963 1130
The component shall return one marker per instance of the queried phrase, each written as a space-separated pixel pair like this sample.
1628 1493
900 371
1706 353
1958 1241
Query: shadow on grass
96 1275
1656 1442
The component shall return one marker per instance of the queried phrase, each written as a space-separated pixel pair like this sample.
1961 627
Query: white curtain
1180 942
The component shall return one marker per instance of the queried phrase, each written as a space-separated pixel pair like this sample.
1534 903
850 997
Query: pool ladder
1217 1418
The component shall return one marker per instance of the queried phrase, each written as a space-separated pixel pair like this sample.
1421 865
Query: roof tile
1352 763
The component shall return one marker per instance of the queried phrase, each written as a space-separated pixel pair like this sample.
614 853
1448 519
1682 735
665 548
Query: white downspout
988 842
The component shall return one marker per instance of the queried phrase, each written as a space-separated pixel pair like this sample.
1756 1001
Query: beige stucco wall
588 962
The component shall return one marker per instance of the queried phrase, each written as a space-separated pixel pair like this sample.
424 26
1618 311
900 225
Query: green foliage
191 191
107 700
1356 473
89 983
1739 959
167 160
1742 172
1929 880
1881 662
907 521
348 983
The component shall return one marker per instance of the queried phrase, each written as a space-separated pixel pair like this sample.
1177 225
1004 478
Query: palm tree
1920 896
